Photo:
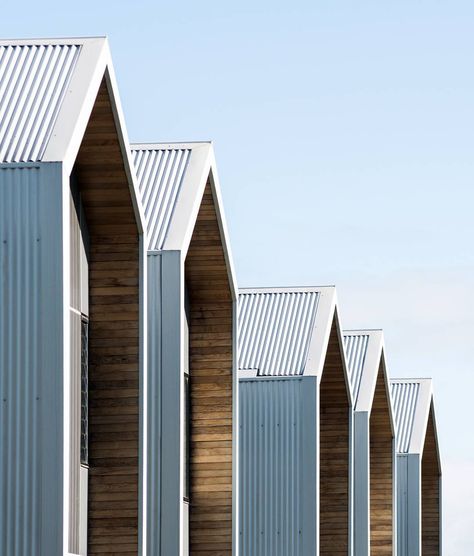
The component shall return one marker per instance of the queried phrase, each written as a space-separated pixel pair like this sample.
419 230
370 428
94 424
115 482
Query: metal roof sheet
33 83
160 173
405 397
355 346
275 330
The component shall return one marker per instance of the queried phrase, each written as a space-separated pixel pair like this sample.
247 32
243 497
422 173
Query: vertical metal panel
31 361
154 405
405 396
160 173
33 83
355 346
408 505
278 468
74 431
402 505
275 331
361 482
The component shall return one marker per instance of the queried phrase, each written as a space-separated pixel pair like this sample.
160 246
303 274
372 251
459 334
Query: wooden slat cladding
381 472
210 345
334 453
113 337
430 492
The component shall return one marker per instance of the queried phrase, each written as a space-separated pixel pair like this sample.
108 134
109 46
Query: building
419 498
72 306
192 383
374 444
295 424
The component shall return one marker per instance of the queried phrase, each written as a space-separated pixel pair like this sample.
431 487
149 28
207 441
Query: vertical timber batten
211 386
114 346
381 471
335 457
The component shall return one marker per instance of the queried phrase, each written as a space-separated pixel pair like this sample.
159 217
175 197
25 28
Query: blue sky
344 135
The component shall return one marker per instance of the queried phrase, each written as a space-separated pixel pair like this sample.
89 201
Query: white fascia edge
93 65
370 371
420 419
321 331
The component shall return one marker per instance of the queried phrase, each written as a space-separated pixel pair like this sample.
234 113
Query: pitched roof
284 331
171 179
48 88
413 402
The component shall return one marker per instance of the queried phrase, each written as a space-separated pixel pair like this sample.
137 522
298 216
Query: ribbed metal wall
20 359
355 346
405 395
274 469
160 174
33 83
275 331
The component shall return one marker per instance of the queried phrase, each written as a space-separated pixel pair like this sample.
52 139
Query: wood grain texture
381 472
113 337
210 345
430 494
334 453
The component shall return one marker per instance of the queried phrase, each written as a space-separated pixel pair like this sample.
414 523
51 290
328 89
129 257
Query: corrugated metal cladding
160 174
33 82
405 395
20 362
271 467
355 346
275 330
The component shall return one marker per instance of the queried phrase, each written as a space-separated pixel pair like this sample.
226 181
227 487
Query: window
84 392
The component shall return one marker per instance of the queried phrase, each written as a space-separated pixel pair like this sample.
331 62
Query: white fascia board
221 220
388 390
350 395
420 420
435 427
189 199
77 105
370 371
124 144
321 329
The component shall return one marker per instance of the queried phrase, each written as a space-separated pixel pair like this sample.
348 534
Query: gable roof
364 351
413 403
171 180
284 331
48 88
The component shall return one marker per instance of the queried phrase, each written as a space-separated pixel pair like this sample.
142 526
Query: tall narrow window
187 419
84 392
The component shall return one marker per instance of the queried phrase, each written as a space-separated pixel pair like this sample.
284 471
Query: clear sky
344 135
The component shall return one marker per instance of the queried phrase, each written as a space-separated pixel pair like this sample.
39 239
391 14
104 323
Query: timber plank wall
430 495
381 472
334 453
210 340
113 337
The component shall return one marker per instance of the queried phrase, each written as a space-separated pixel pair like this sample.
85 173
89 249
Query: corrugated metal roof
355 346
405 398
160 175
33 82
275 330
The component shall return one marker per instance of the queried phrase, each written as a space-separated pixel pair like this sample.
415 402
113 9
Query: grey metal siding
154 405
278 467
408 505
33 83
31 359
361 484
275 330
